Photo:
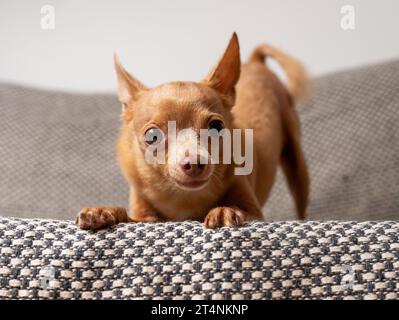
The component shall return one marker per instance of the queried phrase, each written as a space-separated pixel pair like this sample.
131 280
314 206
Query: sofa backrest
350 132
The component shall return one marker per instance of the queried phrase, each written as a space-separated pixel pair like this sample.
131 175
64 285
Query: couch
57 155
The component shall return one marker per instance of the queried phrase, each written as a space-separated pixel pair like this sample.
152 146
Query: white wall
160 41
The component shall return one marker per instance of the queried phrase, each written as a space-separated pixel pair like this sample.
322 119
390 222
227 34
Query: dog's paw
224 216
96 218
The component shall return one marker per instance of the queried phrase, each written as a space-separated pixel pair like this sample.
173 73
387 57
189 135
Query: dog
232 95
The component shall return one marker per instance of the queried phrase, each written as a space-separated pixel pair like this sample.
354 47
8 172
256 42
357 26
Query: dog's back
265 104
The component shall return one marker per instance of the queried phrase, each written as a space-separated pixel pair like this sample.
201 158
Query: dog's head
178 158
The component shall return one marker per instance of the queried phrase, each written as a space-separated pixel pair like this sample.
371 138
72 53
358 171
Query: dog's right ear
129 88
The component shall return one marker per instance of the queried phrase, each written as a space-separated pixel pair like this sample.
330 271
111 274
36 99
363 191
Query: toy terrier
188 185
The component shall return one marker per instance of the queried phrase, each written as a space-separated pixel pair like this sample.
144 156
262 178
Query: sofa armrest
51 259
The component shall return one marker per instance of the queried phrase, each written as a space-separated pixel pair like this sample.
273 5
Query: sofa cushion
57 151
283 260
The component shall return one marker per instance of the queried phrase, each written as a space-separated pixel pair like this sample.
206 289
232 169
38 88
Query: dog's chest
178 209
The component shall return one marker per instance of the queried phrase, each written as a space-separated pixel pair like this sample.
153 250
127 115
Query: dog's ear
225 74
129 88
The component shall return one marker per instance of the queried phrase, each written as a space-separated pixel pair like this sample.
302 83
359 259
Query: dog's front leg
141 210
103 217
238 205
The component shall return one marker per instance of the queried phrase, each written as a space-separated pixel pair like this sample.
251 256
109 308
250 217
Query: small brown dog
192 190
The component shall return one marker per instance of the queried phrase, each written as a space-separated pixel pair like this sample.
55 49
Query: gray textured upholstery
57 151
282 260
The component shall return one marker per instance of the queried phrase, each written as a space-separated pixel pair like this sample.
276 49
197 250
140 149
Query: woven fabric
57 150
283 260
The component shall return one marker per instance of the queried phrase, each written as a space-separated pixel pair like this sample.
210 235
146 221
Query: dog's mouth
192 184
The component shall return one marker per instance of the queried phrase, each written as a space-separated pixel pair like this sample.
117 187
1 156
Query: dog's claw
224 216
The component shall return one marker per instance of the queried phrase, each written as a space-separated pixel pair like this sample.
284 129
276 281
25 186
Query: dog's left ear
225 74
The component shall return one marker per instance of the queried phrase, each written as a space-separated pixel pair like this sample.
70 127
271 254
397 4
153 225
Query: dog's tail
298 80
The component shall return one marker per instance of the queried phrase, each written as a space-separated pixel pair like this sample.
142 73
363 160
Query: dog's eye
215 126
153 136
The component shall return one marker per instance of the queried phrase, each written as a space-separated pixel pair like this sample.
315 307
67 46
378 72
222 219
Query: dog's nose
192 170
